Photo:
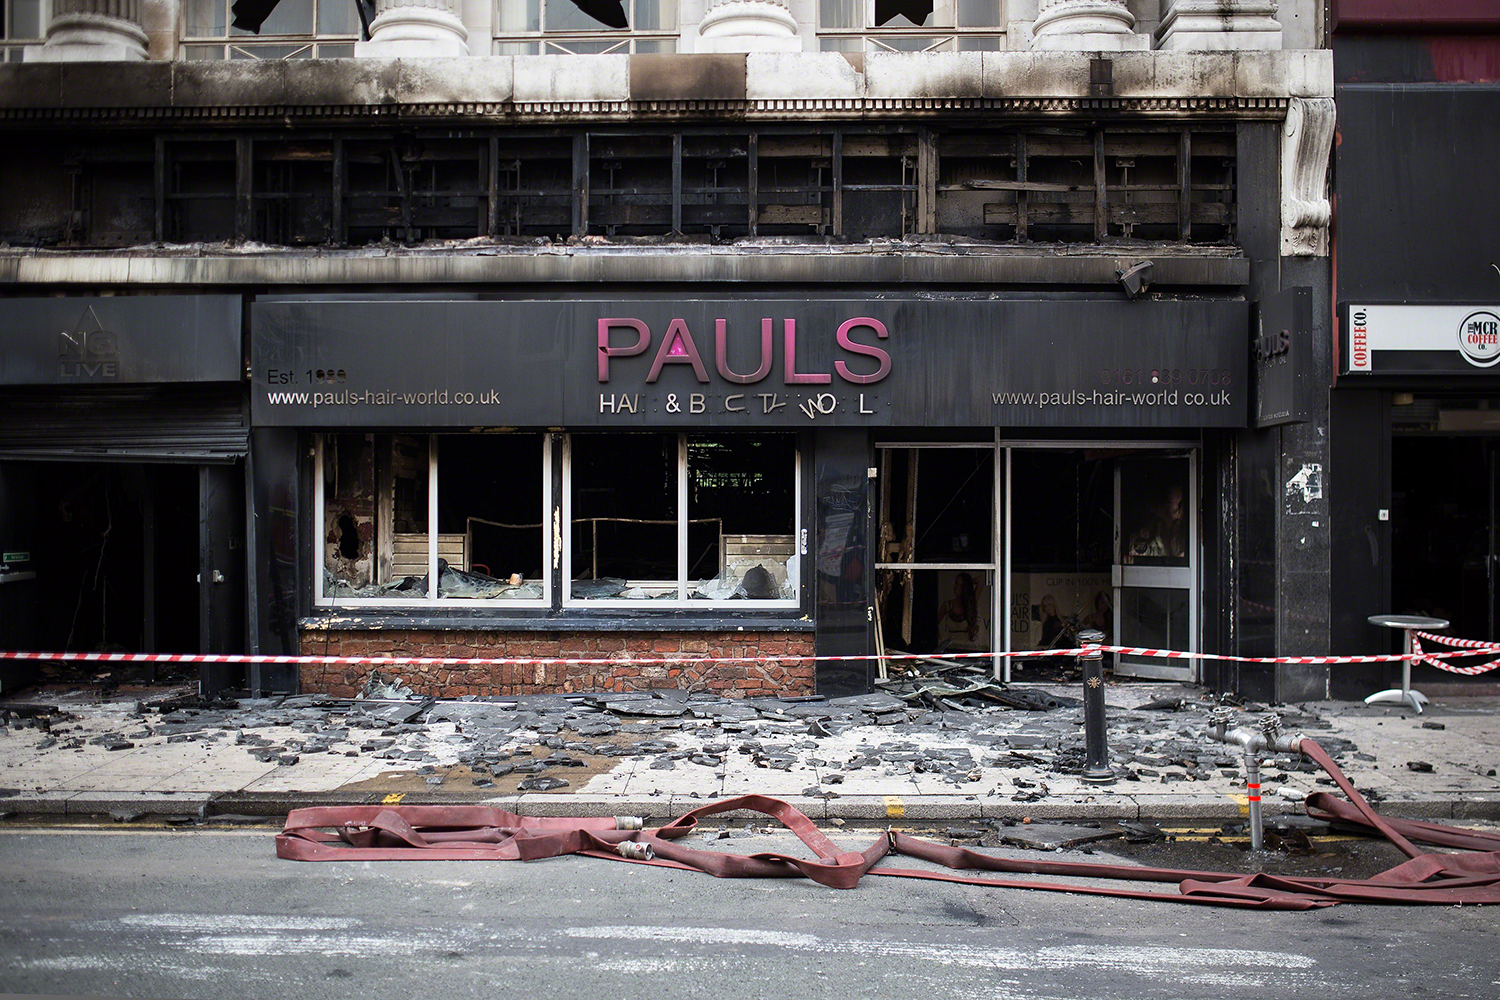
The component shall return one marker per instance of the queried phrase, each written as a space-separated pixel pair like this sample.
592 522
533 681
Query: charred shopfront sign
746 365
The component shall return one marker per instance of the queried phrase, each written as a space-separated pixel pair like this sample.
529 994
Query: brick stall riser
788 674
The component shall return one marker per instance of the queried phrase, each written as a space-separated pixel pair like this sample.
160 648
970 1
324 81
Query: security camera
1135 279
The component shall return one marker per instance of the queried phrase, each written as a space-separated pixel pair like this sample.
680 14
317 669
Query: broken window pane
375 539
624 516
939 505
742 509
586 15
903 13
490 515
290 17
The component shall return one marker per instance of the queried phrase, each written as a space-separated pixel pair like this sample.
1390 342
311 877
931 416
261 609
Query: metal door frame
1195 564
998 509
1162 578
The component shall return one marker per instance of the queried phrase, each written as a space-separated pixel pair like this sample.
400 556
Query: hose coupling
635 852
629 823
1270 725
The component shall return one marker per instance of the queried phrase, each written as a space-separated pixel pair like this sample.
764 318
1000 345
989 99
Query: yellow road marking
1243 800
894 807
393 799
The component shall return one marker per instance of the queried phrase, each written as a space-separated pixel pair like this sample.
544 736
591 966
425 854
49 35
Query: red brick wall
788 674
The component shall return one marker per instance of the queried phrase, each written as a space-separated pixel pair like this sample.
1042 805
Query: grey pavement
871 759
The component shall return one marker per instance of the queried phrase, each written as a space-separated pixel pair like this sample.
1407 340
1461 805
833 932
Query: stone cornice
557 112
880 264
766 86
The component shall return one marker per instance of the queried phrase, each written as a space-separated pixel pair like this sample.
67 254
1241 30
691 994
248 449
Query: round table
1408 624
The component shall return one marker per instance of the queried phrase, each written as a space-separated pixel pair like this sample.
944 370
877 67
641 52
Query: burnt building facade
750 330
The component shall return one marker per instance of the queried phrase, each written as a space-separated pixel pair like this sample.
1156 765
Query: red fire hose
482 833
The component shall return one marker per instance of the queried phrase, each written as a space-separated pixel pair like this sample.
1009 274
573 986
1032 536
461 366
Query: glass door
1156 545
935 566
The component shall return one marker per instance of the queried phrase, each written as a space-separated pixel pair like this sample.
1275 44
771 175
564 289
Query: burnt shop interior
1022 546
654 519
979 546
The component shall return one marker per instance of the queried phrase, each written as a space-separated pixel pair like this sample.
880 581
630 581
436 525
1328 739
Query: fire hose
482 833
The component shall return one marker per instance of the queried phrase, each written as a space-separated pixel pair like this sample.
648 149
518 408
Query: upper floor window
22 23
584 27
295 29
910 25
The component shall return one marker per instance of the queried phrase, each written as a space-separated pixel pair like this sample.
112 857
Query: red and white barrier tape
1472 644
1448 640
681 658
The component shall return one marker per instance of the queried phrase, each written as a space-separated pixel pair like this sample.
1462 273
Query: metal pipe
1265 737
1252 787
1096 769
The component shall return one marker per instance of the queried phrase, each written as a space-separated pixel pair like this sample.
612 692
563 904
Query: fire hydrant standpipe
1265 737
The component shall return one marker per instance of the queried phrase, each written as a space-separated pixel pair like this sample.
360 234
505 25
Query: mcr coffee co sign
1421 339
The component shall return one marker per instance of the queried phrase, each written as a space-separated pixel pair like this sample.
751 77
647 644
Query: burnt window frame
322 601
684 515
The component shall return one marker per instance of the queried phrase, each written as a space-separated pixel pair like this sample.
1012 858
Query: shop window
682 519
395 506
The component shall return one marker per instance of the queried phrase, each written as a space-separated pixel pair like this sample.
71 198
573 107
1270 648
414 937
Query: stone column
1086 25
407 28
748 26
1218 25
94 31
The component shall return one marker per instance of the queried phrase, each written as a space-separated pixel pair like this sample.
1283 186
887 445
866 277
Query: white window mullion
567 520
432 518
797 528
549 525
320 523
682 517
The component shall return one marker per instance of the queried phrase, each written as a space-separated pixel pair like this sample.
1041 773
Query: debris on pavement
935 722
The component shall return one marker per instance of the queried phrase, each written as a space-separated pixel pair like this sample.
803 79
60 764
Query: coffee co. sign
1420 339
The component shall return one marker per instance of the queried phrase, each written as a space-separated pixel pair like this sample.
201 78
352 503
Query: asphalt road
201 913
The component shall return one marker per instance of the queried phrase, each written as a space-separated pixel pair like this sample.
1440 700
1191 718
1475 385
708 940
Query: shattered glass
458 583
762 580
406 586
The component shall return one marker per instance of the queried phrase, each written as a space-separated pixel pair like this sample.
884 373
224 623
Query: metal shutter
197 423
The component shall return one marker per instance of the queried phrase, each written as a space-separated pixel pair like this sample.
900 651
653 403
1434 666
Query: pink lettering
643 341
789 339
721 354
848 344
677 348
